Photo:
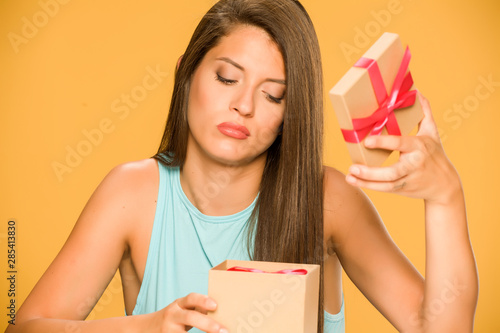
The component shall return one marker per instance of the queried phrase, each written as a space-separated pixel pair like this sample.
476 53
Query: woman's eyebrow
229 61
277 81
241 68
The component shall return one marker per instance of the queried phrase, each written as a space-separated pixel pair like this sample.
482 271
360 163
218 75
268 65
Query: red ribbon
254 270
400 97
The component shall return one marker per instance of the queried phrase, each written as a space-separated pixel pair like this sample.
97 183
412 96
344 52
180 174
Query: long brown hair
287 222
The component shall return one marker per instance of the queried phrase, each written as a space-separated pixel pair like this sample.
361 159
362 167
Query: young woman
239 175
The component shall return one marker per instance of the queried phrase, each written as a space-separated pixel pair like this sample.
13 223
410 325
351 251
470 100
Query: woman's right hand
188 312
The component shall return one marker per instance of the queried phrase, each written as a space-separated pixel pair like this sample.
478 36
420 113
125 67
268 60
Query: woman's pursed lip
234 130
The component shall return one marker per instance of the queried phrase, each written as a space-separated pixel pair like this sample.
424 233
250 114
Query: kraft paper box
355 96
265 302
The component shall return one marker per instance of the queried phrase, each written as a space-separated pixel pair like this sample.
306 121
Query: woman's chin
237 157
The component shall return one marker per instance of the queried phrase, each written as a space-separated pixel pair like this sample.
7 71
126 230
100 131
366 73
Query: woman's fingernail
350 179
211 303
369 141
354 170
223 330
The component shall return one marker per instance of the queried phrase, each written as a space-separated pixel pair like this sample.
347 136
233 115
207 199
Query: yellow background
65 77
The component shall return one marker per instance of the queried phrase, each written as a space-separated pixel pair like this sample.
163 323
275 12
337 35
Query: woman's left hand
423 170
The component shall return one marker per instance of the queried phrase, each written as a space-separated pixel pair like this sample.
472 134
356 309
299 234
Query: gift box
265 297
376 97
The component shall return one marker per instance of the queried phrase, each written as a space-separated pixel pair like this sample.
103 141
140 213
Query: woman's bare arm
78 276
446 299
76 279
368 254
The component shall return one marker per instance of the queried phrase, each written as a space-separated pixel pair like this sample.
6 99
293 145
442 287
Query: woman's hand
186 313
423 170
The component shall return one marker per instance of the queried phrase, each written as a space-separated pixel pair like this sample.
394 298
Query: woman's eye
273 99
224 80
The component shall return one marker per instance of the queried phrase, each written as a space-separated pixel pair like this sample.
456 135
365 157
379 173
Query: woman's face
236 100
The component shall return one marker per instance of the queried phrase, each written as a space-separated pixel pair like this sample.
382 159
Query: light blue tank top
185 244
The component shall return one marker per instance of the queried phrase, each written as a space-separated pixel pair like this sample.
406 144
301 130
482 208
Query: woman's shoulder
127 195
342 202
132 176
337 192
130 184
135 169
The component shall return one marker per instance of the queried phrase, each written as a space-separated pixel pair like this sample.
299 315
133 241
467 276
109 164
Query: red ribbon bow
400 97
254 270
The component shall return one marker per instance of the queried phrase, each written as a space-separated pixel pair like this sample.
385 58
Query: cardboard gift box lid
353 97
265 302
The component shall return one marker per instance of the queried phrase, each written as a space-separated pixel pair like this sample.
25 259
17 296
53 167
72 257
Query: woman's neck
219 189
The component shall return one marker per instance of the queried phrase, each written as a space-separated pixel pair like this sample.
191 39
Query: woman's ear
179 61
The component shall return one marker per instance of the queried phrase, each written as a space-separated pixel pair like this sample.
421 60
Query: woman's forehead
249 46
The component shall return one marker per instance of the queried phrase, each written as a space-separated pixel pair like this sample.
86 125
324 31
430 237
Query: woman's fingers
404 144
199 301
427 125
196 306
190 311
403 176
387 174
400 185
192 318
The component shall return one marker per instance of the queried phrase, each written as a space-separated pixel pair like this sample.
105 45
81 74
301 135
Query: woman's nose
243 102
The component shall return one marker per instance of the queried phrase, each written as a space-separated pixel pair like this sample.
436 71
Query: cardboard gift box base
354 97
265 302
